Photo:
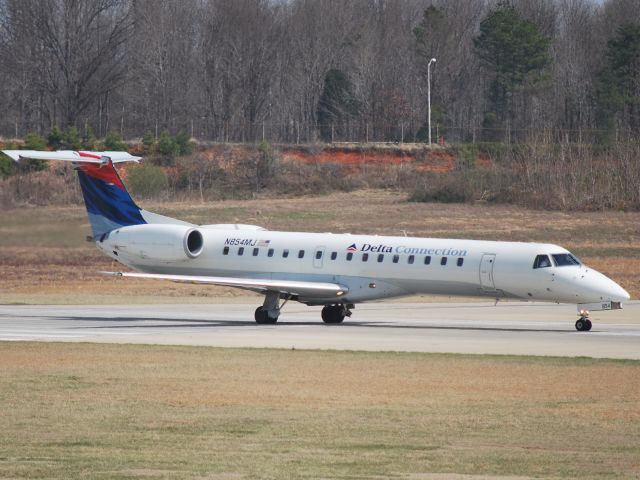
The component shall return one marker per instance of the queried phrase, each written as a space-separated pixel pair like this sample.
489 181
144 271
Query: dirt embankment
353 157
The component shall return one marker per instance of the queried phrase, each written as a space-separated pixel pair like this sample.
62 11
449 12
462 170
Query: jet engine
166 243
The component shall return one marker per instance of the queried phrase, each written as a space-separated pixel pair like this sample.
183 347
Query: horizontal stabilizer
72 156
287 287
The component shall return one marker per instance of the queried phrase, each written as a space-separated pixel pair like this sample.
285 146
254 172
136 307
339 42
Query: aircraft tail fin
109 205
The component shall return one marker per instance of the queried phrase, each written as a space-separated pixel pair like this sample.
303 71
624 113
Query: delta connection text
367 247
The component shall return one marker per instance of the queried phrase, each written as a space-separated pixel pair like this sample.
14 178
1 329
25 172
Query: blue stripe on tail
108 203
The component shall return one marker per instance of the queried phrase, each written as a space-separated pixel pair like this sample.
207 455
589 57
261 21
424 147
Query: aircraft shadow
180 323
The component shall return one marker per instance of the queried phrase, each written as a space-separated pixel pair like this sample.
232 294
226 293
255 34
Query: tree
167 146
164 57
516 56
71 49
147 180
5 166
618 85
430 32
113 142
33 141
72 139
337 104
55 138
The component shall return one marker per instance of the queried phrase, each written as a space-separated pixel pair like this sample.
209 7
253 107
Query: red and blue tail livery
108 203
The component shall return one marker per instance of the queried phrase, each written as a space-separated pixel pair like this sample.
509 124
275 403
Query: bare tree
72 50
163 61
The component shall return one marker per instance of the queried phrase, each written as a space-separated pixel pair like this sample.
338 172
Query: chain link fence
295 132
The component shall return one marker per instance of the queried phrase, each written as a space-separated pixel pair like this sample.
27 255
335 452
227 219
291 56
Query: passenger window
334 255
427 260
318 254
300 253
225 251
380 257
542 261
255 252
285 253
365 257
396 258
270 252
460 261
240 251
411 259
443 261
349 256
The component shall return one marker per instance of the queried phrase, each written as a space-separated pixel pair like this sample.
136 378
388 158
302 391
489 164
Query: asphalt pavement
506 328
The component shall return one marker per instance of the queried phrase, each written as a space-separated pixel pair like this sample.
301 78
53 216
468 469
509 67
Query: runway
508 328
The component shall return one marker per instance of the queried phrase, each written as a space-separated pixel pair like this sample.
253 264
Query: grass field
120 411
44 257
117 411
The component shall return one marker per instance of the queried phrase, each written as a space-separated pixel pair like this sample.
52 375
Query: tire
581 325
262 317
588 325
332 314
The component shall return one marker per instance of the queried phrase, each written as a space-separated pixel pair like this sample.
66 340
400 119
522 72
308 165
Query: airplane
335 271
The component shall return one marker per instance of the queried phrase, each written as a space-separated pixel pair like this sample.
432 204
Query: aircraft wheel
262 317
332 314
583 324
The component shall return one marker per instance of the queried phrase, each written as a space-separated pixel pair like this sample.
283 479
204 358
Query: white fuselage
375 267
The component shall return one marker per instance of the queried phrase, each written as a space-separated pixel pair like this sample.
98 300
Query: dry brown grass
109 411
42 250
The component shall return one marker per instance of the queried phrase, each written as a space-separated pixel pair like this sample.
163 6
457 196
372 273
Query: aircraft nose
618 294
607 288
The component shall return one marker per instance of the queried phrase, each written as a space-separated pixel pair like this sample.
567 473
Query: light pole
433 60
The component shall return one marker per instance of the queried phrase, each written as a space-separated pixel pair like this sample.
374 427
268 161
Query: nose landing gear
583 324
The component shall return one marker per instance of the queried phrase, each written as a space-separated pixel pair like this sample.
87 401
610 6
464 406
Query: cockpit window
565 259
542 261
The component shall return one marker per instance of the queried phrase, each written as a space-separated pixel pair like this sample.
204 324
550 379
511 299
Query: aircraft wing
287 287
72 156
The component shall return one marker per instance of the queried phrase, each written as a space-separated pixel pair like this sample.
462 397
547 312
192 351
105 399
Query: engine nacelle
159 242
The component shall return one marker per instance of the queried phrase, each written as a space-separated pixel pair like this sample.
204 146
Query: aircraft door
486 272
318 257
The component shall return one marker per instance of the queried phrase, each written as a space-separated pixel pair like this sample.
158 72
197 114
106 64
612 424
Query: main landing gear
336 313
269 312
583 324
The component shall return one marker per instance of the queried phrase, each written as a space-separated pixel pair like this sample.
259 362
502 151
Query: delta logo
367 247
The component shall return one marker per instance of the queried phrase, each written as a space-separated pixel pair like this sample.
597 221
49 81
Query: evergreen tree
33 141
148 144
618 83
516 54
427 33
183 143
55 138
5 166
72 139
88 138
337 103
167 146
113 142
